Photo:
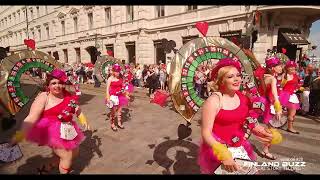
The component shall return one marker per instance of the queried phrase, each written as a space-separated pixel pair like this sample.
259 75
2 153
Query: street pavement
155 141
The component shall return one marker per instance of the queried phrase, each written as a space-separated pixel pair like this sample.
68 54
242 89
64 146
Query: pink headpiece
116 68
222 63
59 74
272 62
291 63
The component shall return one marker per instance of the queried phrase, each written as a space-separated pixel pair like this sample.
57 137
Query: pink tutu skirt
46 132
123 101
208 162
130 88
284 100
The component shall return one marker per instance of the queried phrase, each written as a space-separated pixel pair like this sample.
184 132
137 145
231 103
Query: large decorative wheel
101 64
13 97
188 58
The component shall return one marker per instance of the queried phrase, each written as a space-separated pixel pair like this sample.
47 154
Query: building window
39 32
18 16
55 54
110 49
31 14
75 24
78 55
159 11
20 39
130 12
108 15
38 11
14 18
46 9
9 20
192 7
90 20
188 38
63 28
65 53
48 32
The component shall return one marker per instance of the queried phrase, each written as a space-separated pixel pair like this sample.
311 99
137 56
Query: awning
295 38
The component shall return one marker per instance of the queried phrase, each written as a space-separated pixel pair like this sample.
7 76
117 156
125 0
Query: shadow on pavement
186 153
31 165
85 98
89 147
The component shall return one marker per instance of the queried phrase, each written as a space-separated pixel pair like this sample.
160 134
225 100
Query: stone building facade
134 33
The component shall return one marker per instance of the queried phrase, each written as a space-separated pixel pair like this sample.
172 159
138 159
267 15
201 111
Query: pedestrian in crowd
116 96
49 123
315 95
162 77
310 76
199 80
138 77
223 116
152 80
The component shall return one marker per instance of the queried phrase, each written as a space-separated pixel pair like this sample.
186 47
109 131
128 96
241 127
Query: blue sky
315 36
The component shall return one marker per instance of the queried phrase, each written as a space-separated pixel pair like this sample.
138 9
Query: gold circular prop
101 65
185 63
12 67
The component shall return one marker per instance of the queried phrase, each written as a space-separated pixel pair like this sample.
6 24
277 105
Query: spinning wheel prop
185 63
101 65
13 98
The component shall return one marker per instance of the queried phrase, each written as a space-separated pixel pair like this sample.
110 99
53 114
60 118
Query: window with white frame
18 16
48 32
90 20
20 39
75 24
130 14
38 11
160 11
14 18
108 15
192 7
31 14
63 28
39 34
65 52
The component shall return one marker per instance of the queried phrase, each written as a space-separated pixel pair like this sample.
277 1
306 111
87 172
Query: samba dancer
50 123
223 118
290 84
116 96
268 89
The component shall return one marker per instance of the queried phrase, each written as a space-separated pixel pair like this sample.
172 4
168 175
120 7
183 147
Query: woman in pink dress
128 77
116 96
50 123
269 90
223 117
288 98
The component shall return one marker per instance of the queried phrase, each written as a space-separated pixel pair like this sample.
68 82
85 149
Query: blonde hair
220 76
